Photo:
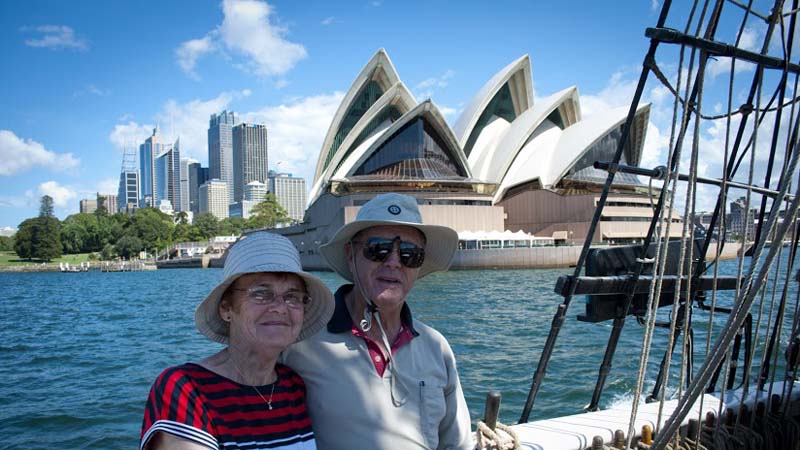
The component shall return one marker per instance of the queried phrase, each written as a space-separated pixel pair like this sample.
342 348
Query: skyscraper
255 191
167 176
249 156
148 151
197 177
290 193
214 198
184 182
220 149
128 190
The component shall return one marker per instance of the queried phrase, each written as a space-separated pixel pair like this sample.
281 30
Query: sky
84 80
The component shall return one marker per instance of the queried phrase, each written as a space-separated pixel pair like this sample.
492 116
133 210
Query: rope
501 438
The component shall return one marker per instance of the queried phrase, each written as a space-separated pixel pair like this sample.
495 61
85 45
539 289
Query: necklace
268 402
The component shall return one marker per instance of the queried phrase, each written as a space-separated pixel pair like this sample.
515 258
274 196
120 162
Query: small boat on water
739 389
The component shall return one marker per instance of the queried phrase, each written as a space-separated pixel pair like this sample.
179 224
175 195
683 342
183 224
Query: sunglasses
378 249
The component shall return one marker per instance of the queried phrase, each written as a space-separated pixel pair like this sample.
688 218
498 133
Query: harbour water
80 350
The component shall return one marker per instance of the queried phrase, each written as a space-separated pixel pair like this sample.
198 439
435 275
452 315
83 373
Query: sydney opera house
507 164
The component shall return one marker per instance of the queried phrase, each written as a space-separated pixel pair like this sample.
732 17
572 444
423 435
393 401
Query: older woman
240 397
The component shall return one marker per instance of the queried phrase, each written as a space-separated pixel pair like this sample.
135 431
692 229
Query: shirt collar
341 320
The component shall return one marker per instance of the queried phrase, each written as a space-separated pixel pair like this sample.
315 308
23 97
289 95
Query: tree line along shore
104 237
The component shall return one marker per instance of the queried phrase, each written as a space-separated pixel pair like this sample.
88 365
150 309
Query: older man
377 378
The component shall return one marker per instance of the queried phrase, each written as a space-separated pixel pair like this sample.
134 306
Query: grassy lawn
11 259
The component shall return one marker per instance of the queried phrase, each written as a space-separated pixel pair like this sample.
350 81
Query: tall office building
109 202
213 196
197 177
249 156
88 206
255 191
167 176
148 151
290 193
220 149
128 189
184 182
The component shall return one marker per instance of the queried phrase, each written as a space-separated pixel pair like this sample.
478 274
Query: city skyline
86 95
201 66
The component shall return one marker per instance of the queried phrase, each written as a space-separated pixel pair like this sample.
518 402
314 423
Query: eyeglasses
265 296
378 249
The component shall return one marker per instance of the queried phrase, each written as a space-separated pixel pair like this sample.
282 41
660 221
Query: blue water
79 351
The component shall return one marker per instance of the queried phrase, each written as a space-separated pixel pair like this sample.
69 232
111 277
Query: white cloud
328 21
750 40
425 88
129 135
93 90
55 37
618 92
18 155
190 51
296 131
248 31
7 231
108 186
62 196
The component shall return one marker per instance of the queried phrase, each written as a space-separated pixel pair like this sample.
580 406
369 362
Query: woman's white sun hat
264 252
393 210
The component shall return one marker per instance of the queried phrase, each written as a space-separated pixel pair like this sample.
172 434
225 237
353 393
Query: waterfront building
88 206
148 151
220 149
509 163
184 183
255 191
213 196
249 156
197 177
740 221
290 193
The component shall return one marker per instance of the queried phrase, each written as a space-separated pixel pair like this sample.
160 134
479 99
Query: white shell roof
434 117
378 68
579 138
469 117
550 154
398 96
492 163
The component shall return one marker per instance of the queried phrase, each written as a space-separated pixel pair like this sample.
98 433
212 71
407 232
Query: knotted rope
501 438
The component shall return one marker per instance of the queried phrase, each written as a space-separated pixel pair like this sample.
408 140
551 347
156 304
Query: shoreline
510 258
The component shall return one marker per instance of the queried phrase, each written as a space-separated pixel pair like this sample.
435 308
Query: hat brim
440 245
316 314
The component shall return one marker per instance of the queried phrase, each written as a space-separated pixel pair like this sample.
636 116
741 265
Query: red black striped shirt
196 404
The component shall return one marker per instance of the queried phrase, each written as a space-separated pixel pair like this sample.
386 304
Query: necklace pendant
269 405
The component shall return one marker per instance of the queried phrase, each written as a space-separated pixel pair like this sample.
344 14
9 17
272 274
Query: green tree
6 244
152 227
47 239
23 239
267 214
102 209
207 225
182 217
128 246
182 232
46 206
108 252
232 226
